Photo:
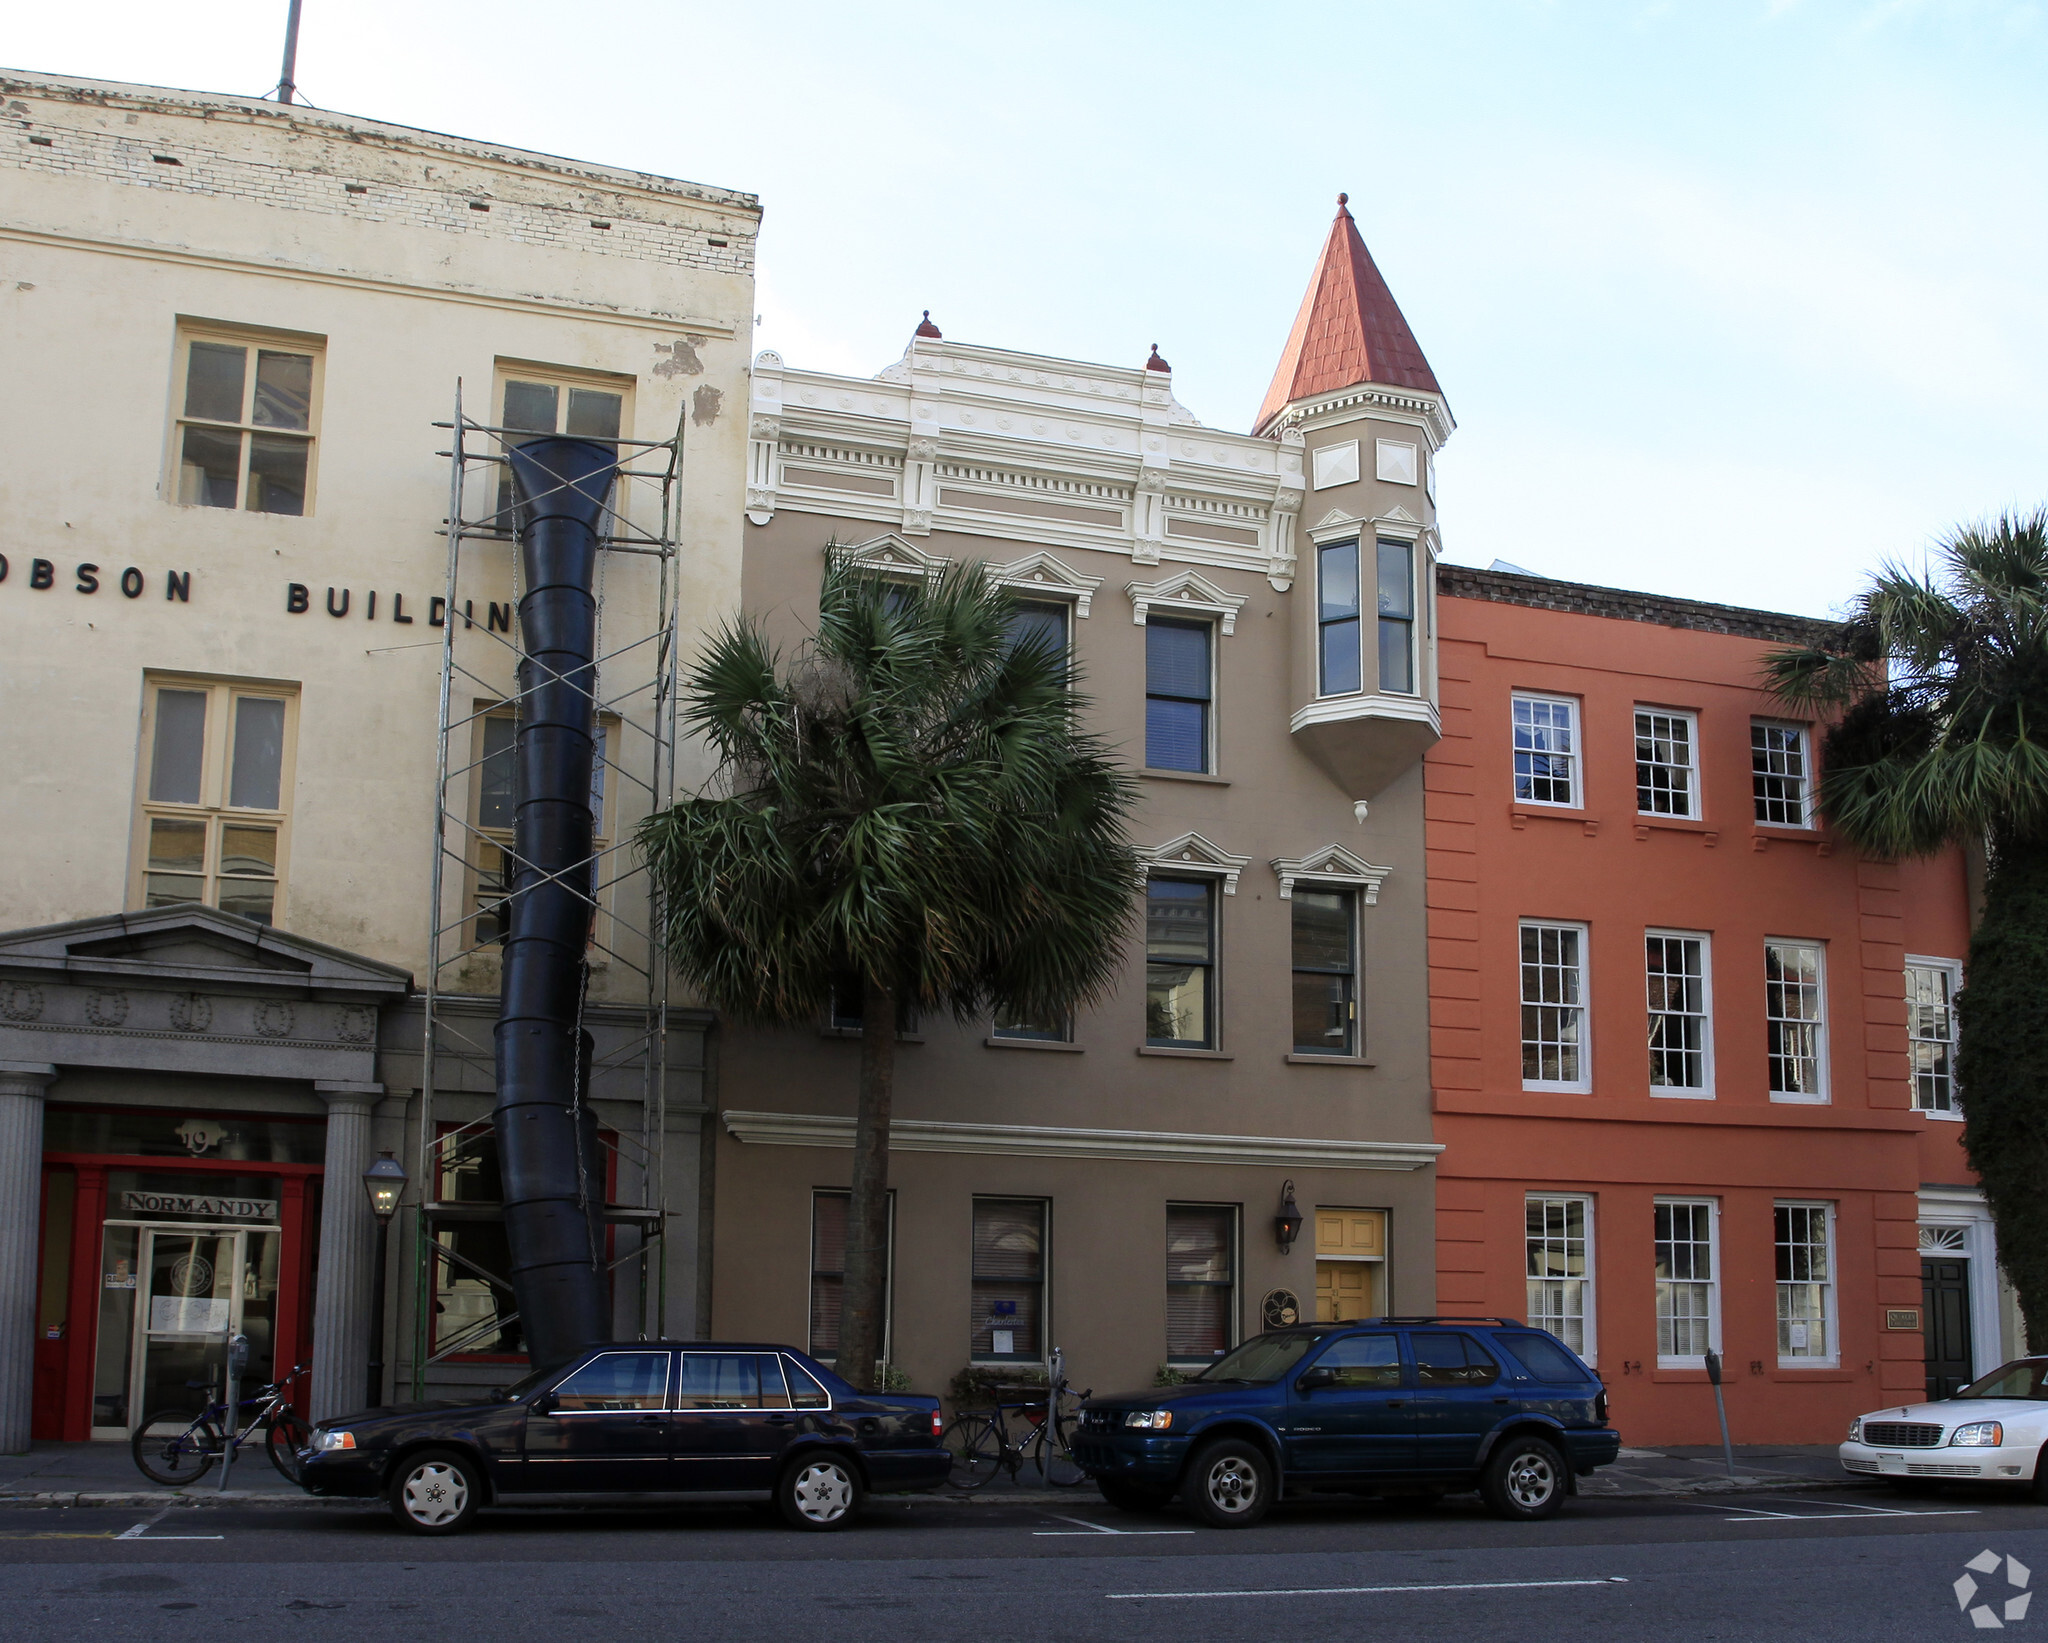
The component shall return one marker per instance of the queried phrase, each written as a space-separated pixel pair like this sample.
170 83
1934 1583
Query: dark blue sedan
648 1421
1371 1407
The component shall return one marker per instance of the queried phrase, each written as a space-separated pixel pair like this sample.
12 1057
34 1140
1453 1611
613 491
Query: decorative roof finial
925 327
1342 201
1155 363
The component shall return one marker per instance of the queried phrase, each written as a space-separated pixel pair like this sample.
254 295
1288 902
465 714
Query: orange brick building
1684 1102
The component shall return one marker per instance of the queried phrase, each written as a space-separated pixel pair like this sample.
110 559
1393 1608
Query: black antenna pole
287 86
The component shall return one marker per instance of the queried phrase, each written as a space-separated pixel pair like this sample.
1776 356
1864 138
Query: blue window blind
1177 694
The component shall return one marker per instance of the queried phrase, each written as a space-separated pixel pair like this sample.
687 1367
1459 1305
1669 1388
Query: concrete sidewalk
105 1474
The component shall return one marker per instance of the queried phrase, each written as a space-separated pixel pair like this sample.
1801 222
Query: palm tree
1942 686
905 810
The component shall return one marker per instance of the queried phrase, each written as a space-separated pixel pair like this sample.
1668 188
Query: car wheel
819 1492
1229 1484
435 1492
1524 1478
1133 1497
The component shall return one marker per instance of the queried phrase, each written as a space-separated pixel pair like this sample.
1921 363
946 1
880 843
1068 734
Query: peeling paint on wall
682 358
705 405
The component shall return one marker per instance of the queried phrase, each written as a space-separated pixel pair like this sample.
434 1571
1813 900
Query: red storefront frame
64 1370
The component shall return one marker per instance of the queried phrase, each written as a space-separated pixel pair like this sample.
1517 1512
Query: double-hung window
1546 732
1039 622
1795 1020
538 400
1931 985
1008 1281
216 796
1688 1288
1781 773
1675 970
1325 972
247 408
1179 690
1806 1285
1338 621
1180 963
1201 1281
1553 971
1397 616
1667 763
829 1212
1559 1241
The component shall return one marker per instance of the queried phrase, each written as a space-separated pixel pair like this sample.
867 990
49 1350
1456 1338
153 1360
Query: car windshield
2026 1379
519 1388
1260 1360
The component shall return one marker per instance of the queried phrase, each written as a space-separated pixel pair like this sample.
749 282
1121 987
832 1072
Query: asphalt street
1833 1565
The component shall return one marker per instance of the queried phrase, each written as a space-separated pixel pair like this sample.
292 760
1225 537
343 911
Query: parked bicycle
175 1446
981 1443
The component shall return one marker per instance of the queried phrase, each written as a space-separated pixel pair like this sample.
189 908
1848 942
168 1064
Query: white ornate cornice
1186 592
891 555
1191 853
1044 577
1331 865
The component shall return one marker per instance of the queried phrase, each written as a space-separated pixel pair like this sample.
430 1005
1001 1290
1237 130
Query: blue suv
1373 1406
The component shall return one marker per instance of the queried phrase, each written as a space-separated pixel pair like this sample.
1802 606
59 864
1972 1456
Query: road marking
1757 1514
1359 1591
139 1532
1088 1528
1847 1517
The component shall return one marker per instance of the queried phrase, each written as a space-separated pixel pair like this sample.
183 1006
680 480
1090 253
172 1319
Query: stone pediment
191 945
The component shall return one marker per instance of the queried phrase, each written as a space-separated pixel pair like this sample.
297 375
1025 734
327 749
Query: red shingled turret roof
1349 330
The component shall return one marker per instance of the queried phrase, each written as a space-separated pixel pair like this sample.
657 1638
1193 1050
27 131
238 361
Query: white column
348 1244
22 1084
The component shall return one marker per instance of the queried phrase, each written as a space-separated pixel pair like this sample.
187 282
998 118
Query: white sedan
1994 1429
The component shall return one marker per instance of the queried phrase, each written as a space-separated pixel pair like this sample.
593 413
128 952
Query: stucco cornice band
301 275
800 1129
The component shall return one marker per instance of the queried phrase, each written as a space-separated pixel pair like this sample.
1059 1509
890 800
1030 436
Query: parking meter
1720 1408
237 1366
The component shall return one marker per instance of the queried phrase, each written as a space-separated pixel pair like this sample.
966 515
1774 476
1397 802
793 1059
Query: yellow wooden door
1351 1247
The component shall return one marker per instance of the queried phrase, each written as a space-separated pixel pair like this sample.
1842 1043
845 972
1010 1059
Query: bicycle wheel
977 1451
1056 1463
288 1434
175 1447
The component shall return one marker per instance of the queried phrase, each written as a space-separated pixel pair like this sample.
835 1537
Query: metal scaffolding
633 705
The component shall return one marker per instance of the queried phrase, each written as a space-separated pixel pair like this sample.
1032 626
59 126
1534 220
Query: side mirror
1315 1378
544 1404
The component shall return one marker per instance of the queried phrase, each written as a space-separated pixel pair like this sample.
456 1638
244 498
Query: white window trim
1591 1354
1831 1298
191 330
1696 798
1823 1047
1713 1284
1806 821
1358 551
1955 969
1578 757
1583 1085
1705 1091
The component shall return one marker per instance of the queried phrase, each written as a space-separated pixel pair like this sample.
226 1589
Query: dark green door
1945 1315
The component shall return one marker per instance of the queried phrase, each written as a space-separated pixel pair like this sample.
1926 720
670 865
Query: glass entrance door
196 1286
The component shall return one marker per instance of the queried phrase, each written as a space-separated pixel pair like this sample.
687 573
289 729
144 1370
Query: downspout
547 1151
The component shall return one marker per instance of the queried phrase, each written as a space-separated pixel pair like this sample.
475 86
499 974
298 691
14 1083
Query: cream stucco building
230 329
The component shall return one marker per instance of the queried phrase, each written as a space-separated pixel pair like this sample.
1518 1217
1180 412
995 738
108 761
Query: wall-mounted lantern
1287 1224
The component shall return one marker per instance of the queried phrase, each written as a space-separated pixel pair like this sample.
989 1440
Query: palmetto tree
1942 685
906 806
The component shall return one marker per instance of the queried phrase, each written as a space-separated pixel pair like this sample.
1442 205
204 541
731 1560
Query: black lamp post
1287 1224
385 1182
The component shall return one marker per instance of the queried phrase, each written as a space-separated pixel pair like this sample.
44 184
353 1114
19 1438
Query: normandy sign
186 1203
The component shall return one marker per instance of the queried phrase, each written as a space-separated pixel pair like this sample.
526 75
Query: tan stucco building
1110 1185
230 329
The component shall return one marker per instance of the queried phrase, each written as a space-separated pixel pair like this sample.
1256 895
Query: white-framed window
1180 694
1555 1046
829 1210
213 806
1201 1282
1795 1020
1781 773
1667 762
1559 1242
1180 963
1007 1302
1806 1285
248 412
1397 611
1546 733
1931 987
1688 1281
1678 977
549 399
1339 624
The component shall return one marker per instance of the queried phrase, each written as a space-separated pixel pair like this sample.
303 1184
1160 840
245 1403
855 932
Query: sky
1732 300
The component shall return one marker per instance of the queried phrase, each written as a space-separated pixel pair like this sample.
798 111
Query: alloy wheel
1531 1479
823 1492
435 1494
